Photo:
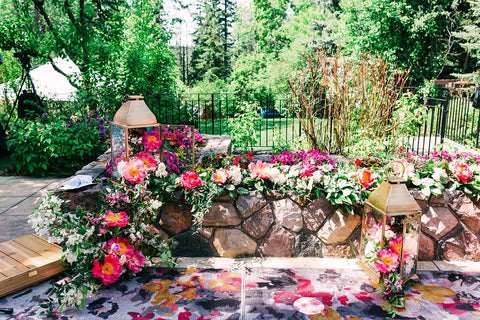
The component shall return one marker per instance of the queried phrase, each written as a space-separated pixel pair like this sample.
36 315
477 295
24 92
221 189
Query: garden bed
274 224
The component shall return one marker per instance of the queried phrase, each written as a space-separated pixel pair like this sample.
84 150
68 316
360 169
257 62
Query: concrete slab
8 202
16 226
463 266
25 188
426 265
25 207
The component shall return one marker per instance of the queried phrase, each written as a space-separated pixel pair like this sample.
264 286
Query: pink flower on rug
220 176
148 159
119 219
136 261
307 169
388 261
461 171
190 180
109 271
151 141
259 169
365 178
120 246
134 171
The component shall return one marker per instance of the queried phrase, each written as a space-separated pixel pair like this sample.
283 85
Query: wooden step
27 260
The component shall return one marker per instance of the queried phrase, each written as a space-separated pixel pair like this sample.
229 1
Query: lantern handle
394 177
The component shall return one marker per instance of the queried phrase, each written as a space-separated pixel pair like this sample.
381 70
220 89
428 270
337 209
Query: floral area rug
349 294
201 294
157 294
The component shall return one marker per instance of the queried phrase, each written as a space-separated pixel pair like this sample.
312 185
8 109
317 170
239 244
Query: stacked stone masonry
274 225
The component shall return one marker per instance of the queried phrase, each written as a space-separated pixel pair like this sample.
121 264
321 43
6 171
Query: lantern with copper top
391 226
134 129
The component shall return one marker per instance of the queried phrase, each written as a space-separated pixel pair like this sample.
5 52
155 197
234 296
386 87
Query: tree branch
56 68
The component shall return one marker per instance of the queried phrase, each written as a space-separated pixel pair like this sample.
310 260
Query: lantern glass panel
371 237
144 139
410 247
179 140
118 147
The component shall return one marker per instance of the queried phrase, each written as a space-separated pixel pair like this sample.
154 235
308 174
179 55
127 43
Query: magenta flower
259 170
151 141
134 171
109 271
148 159
461 171
388 261
307 169
190 180
136 261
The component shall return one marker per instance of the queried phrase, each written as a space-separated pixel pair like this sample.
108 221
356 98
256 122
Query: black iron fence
450 116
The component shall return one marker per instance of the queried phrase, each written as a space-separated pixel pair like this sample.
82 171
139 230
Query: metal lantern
391 222
132 122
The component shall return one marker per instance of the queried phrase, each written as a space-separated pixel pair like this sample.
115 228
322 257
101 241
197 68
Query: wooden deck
27 260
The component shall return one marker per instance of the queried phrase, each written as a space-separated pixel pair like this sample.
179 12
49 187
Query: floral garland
101 247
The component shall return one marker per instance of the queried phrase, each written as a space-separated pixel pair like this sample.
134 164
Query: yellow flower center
397 248
152 139
387 261
107 268
114 217
123 248
133 171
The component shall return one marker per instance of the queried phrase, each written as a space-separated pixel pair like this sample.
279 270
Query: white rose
235 174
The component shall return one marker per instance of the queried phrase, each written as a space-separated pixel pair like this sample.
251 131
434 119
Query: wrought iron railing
450 116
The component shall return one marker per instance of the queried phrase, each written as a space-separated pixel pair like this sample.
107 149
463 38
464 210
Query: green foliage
54 145
411 34
243 128
470 34
211 54
119 46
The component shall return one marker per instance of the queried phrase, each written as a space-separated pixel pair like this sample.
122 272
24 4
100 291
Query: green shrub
55 144
243 127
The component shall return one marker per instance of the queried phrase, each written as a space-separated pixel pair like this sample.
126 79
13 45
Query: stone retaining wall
274 225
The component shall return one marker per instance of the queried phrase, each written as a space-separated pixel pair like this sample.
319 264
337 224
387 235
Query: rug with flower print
350 294
157 294
201 294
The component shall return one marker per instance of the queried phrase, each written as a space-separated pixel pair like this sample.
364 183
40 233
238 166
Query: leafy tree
470 34
414 34
212 40
98 37
270 49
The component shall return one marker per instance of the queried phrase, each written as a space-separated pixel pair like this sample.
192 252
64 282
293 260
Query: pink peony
388 261
148 159
190 180
259 170
396 246
365 178
461 171
120 246
134 171
109 271
220 176
113 219
151 141
307 169
136 261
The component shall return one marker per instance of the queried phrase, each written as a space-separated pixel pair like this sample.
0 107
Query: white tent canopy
49 83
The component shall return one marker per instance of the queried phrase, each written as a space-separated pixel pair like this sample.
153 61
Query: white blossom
161 171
